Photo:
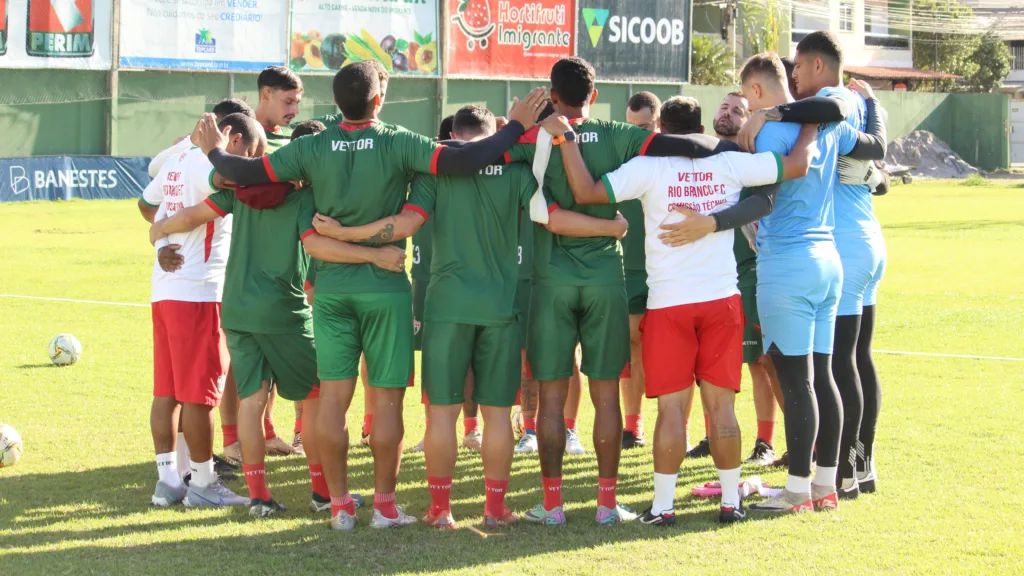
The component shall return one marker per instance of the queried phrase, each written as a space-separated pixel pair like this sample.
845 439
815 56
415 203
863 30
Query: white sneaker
572 442
403 519
417 448
473 441
527 444
216 494
164 495
343 521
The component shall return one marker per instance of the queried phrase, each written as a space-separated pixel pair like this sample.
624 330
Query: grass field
949 448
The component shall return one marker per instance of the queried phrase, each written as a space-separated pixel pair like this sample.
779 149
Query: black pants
872 388
844 369
814 413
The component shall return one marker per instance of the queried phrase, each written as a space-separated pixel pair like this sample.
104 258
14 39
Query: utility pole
728 17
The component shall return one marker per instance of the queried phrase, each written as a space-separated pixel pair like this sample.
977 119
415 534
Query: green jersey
526 244
422 248
335 119
474 271
360 174
562 260
746 258
267 264
634 256
277 138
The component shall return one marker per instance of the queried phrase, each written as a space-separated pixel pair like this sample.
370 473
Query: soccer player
643 110
693 328
189 360
360 172
222 109
861 247
798 282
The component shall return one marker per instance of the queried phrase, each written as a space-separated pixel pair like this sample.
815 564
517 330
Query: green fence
68 112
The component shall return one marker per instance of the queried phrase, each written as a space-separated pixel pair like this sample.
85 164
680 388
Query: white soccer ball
65 350
10 446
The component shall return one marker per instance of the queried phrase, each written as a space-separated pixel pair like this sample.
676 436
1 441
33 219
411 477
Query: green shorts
636 291
752 349
597 317
452 349
378 325
289 360
522 307
419 300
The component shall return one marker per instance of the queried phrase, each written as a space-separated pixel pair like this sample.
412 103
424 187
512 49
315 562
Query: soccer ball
65 350
10 446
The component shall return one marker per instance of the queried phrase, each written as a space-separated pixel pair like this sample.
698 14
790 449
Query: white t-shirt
706 269
158 161
184 181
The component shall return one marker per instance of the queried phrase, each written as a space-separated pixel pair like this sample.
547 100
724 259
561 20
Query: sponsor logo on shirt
346 146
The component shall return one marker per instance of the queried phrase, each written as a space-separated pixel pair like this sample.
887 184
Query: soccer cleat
265 508
849 489
824 498
365 440
442 520
232 454
417 448
518 426
701 450
164 495
631 440
225 469
297 444
473 441
667 518
278 447
572 442
343 521
380 521
319 504
867 478
507 518
782 462
763 454
216 494
611 516
539 515
785 502
730 514
527 444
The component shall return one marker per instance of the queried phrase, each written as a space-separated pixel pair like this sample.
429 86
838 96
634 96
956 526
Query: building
1007 18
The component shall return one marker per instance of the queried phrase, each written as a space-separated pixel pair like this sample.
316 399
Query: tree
764 24
711 62
935 49
993 60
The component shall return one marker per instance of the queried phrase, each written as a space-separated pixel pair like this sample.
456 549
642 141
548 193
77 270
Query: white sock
181 449
202 473
798 484
167 468
664 493
730 480
825 476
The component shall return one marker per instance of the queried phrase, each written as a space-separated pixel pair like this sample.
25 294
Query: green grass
949 442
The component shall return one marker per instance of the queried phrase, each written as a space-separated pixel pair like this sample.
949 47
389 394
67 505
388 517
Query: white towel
538 206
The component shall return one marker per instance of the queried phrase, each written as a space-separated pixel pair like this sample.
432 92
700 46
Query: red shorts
702 341
190 357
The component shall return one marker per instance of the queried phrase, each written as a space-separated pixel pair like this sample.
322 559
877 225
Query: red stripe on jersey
416 209
643 149
433 161
578 120
308 233
508 157
351 127
552 208
269 169
530 136
208 243
307 286
215 208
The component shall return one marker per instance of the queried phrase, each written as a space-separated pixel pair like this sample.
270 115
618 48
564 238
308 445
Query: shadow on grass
37 365
100 520
955 225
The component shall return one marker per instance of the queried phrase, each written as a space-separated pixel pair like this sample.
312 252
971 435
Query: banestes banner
630 40
55 34
67 177
512 38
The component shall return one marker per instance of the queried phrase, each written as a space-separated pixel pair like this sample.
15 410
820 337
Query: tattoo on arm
773 114
384 235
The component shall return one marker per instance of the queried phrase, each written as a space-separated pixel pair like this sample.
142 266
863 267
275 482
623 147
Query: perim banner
510 38
55 34
235 35
629 40
401 35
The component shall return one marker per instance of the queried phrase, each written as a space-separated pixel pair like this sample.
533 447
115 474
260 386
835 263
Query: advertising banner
509 38
628 40
67 177
72 34
400 35
234 35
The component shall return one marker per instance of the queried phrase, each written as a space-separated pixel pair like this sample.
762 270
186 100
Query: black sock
796 380
871 387
844 370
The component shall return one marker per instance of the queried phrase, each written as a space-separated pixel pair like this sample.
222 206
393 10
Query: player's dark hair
548 110
573 79
278 78
823 44
447 126
232 106
788 64
355 85
382 72
641 100
768 65
473 120
249 128
680 115
308 128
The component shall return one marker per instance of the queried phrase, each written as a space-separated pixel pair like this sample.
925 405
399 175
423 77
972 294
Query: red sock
367 424
440 493
570 423
470 424
257 481
606 492
298 426
707 427
268 428
230 434
530 424
634 423
316 478
494 491
346 503
766 431
552 492
385 503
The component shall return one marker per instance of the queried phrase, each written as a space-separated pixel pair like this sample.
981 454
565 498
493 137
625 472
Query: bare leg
332 432
250 426
773 377
530 391
469 408
198 428
575 397
498 442
551 426
229 401
386 440
764 397
633 388
310 438
164 422
440 444
670 436
607 426
724 430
